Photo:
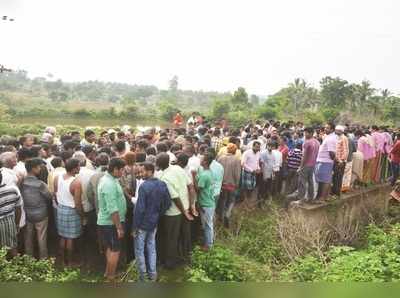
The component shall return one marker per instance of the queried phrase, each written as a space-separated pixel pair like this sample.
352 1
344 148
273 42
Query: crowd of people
155 193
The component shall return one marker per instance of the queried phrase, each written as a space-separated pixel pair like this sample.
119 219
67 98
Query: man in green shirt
111 216
206 200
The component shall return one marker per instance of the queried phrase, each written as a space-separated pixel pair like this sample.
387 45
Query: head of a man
102 160
162 161
339 130
73 166
329 128
116 167
182 160
206 161
147 170
8 159
256 146
308 132
33 166
90 136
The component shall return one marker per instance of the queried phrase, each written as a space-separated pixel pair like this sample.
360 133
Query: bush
308 268
378 261
221 264
28 269
258 240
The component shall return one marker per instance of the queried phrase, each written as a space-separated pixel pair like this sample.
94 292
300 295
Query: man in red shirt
395 160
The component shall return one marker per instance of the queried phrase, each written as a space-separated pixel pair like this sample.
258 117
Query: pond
85 122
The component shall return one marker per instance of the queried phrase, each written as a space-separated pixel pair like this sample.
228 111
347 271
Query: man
307 165
251 168
90 154
79 187
342 153
193 162
269 165
217 171
90 138
325 161
10 214
206 201
36 197
216 140
186 237
69 211
379 142
230 183
8 162
177 182
395 161
111 216
293 163
154 200
224 149
277 167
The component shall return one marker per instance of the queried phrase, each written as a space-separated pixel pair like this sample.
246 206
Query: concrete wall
344 215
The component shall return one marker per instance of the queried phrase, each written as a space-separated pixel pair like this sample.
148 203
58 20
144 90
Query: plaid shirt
342 148
216 143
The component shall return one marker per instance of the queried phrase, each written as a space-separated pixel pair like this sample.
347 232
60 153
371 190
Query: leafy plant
27 269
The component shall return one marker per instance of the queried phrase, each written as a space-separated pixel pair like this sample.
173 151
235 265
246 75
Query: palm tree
299 87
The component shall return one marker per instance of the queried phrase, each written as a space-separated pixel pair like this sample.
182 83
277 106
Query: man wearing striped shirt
294 160
10 214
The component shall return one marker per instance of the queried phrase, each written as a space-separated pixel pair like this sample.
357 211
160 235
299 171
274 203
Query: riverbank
86 121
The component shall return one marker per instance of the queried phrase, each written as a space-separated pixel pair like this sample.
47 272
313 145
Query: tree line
334 98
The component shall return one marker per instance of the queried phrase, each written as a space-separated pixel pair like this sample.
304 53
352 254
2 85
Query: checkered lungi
8 231
248 180
68 222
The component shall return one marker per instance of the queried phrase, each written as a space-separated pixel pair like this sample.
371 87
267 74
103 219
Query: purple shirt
328 145
251 160
310 152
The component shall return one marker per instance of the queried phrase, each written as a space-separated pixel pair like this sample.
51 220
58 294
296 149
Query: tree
130 110
364 93
167 109
173 84
335 92
254 100
299 87
240 97
220 108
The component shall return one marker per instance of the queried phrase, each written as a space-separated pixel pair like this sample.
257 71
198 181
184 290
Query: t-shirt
217 171
205 185
328 145
111 200
177 182
310 152
10 198
294 159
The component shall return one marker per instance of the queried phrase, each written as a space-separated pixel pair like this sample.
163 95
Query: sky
217 45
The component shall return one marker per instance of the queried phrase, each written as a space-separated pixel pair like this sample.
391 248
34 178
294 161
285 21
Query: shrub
27 269
258 240
309 268
378 261
221 264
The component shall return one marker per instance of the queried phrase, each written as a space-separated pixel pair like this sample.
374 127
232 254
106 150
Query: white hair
6 157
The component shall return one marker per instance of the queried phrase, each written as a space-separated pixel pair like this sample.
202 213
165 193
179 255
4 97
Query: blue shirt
153 201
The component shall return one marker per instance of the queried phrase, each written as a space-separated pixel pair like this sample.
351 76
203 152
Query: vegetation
27 269
379 260
335 98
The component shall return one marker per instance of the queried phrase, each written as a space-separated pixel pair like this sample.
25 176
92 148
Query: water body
85 122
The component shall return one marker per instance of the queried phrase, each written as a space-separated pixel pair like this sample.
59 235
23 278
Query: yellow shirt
223 151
